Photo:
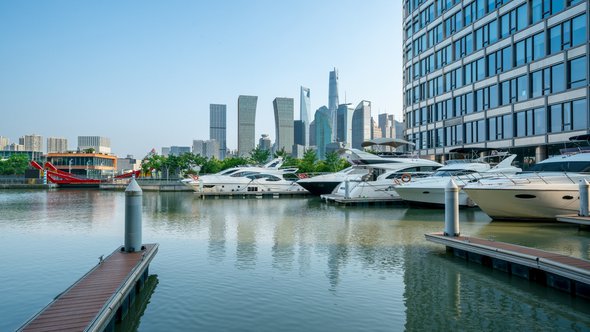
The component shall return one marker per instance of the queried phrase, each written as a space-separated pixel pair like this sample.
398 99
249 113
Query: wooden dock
338 199
100 297
558 271
252 194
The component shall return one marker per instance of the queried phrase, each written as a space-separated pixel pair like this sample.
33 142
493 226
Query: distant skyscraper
56 144
283 108
344 125
323 130
208 149
361 124
333 102
299 132
33 143
98 143
217 126
304 113
165 151
246 124
312 140
4 143
264 142
179 150
375 130
386 125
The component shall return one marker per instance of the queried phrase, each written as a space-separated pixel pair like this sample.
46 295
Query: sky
143 73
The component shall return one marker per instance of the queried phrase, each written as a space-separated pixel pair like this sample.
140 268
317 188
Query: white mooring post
584 201
451 209
133 205
346 189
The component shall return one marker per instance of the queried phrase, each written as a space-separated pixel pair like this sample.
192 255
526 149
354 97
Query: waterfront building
344 124
246 124
264 142
208 148
33 143
31 155
57 144
91 165
386 125
98 143
361 124
312 140
333 102
299 132
304 114
495 74
217 126
128 164
4 142
179 150
283 110
323 130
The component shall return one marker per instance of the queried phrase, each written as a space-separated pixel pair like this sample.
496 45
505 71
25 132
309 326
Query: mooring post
346 189
584 201
133 205
451 209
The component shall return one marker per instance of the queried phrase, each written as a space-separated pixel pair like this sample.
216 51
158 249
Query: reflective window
577 73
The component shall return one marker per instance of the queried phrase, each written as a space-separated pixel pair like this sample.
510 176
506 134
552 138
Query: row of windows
542 82
515 20
562 117
560 37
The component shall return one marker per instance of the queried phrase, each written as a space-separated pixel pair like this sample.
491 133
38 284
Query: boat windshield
453 172
565 166
243 173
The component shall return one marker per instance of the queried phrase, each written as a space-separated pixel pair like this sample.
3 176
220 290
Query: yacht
365 165
431 190
549 189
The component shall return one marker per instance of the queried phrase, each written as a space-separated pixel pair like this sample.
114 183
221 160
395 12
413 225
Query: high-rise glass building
218 126
304 113
283 109
344 124
508 74
361 124
246 124
323 130
333 102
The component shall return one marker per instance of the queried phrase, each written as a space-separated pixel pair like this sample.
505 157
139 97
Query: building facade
333 102
57 144
344 124
246 124
508 74
98 143
218 126
323 130
304 113
361 124
264 142
4 142
283 110
33 143
208 149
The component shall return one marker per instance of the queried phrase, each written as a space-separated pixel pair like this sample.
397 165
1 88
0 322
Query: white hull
430 195
368 190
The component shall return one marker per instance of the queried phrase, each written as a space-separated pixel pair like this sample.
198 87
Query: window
557 78
577 72
568 116
486 35
567 34
513 90
513 21
539 46
529 123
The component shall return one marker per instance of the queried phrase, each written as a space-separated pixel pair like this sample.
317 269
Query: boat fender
406 177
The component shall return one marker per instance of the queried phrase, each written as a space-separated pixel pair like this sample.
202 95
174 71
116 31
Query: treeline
14 165
189 163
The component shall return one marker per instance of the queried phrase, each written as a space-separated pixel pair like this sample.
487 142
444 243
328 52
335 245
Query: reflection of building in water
246 232
217 240
283 250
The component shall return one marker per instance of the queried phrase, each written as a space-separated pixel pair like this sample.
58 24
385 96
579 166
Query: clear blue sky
144 72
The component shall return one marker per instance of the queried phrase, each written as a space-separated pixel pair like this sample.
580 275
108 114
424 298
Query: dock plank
77 307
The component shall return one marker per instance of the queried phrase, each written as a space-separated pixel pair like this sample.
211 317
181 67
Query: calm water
281 264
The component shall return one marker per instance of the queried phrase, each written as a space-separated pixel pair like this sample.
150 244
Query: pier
341 200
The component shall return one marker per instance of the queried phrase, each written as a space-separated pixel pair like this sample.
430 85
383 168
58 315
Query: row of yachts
503 191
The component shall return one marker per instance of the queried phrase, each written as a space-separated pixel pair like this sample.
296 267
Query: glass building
333 102
507 74
246 124
361 124
283 109
218 126
323 130
304 111
344 124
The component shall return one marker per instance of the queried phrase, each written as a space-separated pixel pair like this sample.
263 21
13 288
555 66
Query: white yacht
550 188
431 190
364 165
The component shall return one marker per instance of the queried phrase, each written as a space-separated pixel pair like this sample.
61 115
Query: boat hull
319 188
430 196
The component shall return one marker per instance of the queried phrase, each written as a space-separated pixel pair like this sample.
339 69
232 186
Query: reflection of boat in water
68 180
431 190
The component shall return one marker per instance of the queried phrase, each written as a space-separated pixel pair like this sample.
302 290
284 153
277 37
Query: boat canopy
392 142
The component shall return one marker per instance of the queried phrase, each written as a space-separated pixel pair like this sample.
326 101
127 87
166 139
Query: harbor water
295 264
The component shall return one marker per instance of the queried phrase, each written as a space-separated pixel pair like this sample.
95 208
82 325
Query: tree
307 164
16 164
281 153
259 156
332 161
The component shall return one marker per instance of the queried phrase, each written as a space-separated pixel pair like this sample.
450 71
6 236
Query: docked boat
549 189
365 166
431 190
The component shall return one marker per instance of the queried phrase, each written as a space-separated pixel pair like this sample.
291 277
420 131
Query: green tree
234 162
308 162
213 165
259 156
16 164
281 153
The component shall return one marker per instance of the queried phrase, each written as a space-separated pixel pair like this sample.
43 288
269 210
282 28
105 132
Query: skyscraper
246 124
98 143
283 109
344 126
495 74
264 142
33 143
4 143
386 125
333 102
217 126
304 109
299 133
208 149
361 124
56 144
323 130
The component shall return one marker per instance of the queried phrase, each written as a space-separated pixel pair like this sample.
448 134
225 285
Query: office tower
283 109
98 143
361 124
304 117
312 140
33 143
299 132
206 148
179 150
375 130
333 102
495 74
165 151
344 126
4 143
264 142
246 124
57 144
323 130
386 125
217 126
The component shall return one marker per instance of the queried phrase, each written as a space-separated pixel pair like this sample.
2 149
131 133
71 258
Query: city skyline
147 78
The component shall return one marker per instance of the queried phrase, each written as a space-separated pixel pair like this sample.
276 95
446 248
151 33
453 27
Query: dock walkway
339 199
92 302
574 219
555 270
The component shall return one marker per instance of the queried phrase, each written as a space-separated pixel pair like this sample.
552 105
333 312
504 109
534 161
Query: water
281 264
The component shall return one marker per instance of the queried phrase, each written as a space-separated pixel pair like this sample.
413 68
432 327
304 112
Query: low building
91 165
128 164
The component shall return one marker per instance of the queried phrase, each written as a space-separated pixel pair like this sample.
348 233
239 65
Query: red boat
65 179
